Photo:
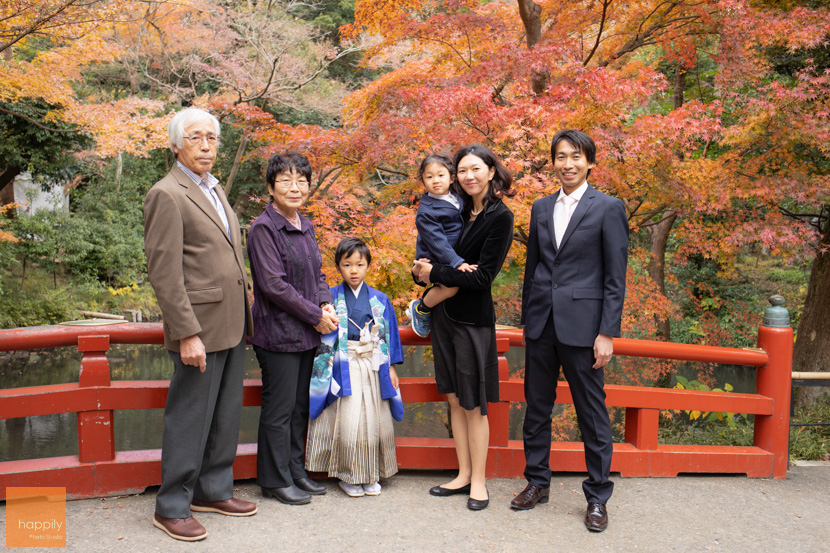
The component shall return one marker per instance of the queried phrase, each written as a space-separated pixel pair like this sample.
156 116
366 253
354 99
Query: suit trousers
543 357
286 377
201 431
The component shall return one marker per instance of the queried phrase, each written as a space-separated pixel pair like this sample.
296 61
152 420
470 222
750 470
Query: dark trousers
284 417
543 357
201 431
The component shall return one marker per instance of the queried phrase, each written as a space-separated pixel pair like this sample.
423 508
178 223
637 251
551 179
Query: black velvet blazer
486 245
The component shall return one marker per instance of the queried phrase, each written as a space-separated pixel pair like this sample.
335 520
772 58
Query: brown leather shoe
529 497
232 507
596 517
185 529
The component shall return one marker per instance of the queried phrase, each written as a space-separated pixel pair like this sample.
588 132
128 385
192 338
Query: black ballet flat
438 491
478 504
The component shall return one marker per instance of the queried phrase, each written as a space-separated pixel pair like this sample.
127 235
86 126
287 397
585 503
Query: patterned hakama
353 439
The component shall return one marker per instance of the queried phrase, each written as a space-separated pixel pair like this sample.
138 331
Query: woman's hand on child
329 308
393 376
467 268
424 268
328 322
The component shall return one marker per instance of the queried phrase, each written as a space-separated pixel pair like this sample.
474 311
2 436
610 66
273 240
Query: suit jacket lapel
198 197
546 220
581 209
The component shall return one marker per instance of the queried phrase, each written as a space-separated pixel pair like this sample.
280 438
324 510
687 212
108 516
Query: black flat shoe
478 504
290 495
310 486
438 491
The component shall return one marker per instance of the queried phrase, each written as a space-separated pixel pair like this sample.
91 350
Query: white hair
185 118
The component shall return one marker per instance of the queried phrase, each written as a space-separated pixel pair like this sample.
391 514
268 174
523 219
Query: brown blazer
197 272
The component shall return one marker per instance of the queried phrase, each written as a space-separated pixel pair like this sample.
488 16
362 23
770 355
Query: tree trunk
7 176
812 347
531 14
243 141
679 86
659 237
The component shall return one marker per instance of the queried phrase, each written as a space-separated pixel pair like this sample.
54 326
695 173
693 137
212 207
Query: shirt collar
576 195
280 221
448 197
355 292
210 181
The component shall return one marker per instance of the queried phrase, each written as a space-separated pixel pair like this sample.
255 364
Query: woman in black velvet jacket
464 326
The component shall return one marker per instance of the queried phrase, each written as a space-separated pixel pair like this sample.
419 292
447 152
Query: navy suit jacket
439 228
582 281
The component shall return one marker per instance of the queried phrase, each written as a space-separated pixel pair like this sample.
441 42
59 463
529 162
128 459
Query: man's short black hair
579 140
285 163
348 246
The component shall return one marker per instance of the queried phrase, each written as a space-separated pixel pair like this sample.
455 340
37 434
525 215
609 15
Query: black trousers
201 431
543 357
284 417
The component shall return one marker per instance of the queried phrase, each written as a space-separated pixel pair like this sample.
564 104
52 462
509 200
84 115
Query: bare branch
605 4
35 123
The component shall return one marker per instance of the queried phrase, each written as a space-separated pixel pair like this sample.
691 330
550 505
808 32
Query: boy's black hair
440 160
285 163
499 185
348 246
579 140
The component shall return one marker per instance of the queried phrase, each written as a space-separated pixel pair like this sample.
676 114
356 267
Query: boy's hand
393 376
467 268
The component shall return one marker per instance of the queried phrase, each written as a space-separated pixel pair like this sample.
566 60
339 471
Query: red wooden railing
99 470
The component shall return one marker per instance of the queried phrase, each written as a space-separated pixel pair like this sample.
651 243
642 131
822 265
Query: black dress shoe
444 492
478 504
310 486
290 495
529 497
596 517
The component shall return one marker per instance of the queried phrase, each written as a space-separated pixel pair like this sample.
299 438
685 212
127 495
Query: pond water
57 435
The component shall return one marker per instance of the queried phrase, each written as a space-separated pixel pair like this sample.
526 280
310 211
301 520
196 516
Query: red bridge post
774 380
96 435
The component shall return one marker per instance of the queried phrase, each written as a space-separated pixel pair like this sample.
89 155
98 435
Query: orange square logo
35 517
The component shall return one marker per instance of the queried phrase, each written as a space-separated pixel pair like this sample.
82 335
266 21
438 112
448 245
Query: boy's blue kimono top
330 378
439 228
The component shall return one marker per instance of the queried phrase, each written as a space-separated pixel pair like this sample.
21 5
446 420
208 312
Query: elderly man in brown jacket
194 261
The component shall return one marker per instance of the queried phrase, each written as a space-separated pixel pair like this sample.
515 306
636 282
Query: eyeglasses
197 139
286 184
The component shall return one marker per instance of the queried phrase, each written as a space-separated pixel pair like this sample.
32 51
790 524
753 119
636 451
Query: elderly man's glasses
197 139
286 184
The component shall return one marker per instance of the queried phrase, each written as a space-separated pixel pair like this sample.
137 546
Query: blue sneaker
420 322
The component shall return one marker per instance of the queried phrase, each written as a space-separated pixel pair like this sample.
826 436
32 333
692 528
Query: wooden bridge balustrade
99 470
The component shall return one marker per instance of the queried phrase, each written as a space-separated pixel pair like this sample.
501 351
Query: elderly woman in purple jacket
292 308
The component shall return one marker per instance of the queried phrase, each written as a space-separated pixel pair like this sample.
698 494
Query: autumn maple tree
710 116
697 132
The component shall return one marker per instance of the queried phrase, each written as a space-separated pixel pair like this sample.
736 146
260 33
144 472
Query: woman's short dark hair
285 163
348 246
437 159
579 140
500 183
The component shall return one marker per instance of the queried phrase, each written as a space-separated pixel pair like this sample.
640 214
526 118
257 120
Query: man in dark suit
572 301
195 264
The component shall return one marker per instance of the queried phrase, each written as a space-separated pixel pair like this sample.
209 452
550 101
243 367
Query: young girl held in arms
354 387
439 226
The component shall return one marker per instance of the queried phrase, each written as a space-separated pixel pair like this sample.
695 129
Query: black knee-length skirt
466 360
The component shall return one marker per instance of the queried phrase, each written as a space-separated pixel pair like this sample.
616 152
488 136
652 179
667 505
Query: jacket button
555 286
557 263
239 281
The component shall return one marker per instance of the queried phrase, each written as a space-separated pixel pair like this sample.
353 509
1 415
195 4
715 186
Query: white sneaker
372 489
352 490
